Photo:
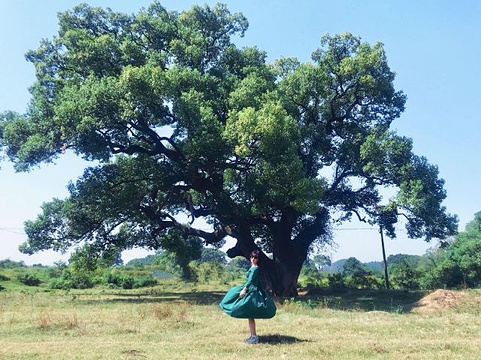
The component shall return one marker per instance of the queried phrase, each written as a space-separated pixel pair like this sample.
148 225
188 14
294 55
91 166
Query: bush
116 279
239 263
29 280
1 288
4 278
9 264
405 276
144 281
336 282
364 282
59 283
72 280
206 271
315 280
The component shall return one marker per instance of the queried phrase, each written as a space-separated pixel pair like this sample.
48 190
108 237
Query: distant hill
375 265
336 267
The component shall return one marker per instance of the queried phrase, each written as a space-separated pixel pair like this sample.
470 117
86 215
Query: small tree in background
459 262
212 255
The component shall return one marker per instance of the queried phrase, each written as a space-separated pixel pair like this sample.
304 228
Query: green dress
255 304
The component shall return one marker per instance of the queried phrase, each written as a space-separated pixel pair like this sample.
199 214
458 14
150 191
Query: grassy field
178 321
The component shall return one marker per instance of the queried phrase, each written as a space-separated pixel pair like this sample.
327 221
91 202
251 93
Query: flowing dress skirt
255 304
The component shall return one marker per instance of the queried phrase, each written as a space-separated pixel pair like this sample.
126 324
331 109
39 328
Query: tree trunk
281 278
279 275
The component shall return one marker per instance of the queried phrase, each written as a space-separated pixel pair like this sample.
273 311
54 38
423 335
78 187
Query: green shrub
9 264
144 281
72 280
206 271
59 283
363 282
29 280
4 278
336 282
239 263
314 279
116 279
127 282
405 276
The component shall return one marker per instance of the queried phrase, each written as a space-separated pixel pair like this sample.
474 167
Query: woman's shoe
253 339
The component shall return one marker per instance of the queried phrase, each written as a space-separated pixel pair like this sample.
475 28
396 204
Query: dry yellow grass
188 324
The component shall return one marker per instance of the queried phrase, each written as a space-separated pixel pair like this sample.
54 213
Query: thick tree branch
209 237
311 232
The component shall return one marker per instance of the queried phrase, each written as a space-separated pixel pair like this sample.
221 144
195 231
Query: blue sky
433 46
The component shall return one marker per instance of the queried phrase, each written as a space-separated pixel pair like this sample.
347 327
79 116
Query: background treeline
84 271
454 264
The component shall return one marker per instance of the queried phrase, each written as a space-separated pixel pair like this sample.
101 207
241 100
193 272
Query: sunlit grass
176 321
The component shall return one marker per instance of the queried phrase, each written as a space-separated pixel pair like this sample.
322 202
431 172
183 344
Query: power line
18 231
342 229
364 229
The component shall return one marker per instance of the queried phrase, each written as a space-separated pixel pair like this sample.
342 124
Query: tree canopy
184 125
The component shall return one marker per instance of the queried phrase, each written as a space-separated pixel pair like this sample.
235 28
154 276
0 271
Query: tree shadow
395 301
398 301
192 297
275 339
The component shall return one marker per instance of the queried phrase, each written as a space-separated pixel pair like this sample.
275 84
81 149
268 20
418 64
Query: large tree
183 125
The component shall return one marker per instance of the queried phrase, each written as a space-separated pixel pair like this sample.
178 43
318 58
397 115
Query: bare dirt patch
440 300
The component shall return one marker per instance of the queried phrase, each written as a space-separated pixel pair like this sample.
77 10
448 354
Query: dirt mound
440 300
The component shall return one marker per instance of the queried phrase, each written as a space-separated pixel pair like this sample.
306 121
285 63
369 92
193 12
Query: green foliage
212 255
239 263
184 125
167 261
365 281
311 276
128 280
353 267
321 261
29 280
405 276
120 280
207 271
144 281
72 279
458 264
139 263
336 282
10 264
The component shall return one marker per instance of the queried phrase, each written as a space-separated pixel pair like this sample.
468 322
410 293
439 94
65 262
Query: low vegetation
179 320
159 307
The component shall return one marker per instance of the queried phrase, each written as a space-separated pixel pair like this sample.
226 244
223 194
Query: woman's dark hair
255 254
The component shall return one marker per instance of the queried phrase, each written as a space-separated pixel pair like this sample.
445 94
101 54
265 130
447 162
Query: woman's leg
252 327
253 339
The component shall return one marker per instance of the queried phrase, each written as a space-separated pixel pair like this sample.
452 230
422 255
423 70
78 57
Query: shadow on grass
192 297
275 339
395 301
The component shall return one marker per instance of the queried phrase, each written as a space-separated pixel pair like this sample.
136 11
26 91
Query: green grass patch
176 320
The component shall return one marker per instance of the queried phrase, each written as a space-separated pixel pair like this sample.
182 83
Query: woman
249 301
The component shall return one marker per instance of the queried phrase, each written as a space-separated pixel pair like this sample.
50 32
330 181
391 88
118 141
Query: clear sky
434 46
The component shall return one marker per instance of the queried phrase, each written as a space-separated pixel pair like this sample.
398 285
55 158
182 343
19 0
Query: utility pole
386 277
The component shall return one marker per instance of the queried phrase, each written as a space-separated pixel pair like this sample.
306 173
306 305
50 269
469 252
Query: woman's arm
243 292
251 275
